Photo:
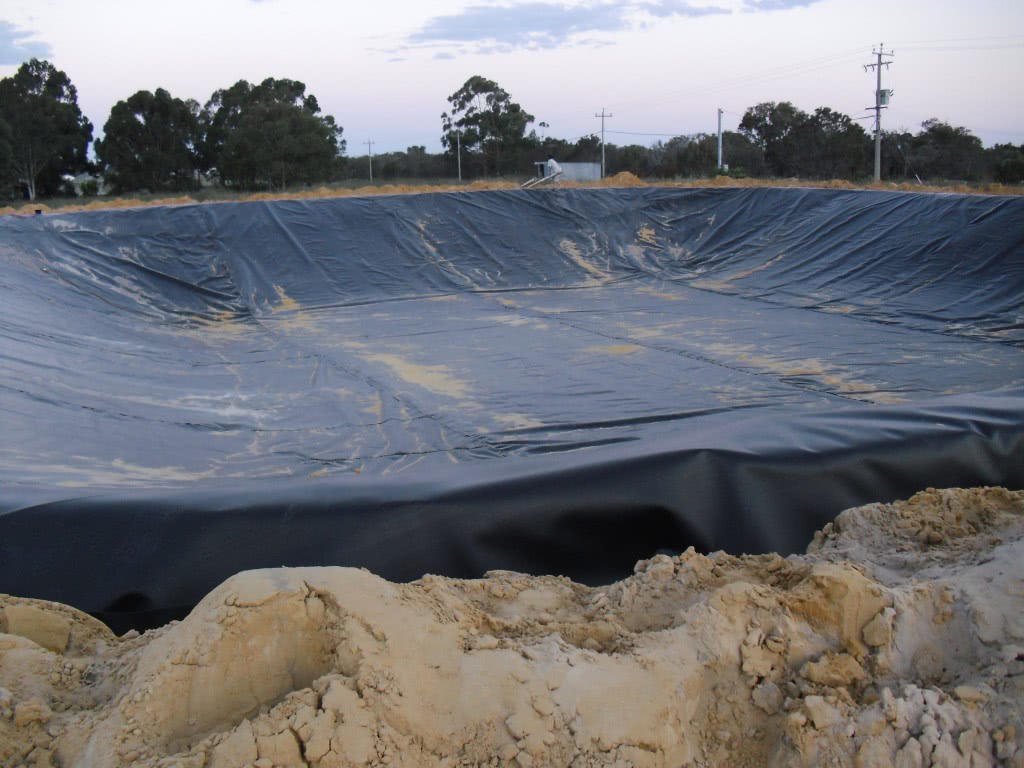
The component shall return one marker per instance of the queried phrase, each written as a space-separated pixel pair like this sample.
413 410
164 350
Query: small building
573 171
581 171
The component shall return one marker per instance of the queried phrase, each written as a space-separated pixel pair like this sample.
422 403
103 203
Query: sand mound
897 640
622 179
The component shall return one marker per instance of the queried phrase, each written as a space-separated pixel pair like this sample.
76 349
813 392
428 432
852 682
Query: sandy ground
622 179
898 639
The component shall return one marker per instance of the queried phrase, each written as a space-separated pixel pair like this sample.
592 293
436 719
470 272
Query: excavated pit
554 382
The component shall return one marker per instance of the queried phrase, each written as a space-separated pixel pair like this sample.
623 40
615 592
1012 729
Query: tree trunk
29 171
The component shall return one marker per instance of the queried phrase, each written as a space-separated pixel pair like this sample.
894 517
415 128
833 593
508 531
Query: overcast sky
384 69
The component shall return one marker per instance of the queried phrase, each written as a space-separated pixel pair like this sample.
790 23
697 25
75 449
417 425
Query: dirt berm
897 639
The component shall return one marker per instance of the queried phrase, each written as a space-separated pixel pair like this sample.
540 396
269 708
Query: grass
358 188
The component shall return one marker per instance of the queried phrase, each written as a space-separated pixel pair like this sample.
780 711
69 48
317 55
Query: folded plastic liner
556 381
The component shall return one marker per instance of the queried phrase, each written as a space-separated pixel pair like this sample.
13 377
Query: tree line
250 136
273 135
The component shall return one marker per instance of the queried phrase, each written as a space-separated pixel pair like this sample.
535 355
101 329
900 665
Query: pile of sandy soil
898 639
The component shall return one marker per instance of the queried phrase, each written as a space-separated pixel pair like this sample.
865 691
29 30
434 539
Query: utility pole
458 152
719 138
369 154
881 102
602 116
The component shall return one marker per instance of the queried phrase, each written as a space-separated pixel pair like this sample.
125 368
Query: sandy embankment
898 639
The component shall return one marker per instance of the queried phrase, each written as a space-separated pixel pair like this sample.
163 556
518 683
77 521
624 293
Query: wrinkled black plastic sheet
555 381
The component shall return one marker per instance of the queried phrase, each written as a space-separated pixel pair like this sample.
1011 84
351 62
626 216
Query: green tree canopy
8 176
1008 163
845 145
490 124
770 125
279 144
150 142
943 151
269 134
826 144
49 136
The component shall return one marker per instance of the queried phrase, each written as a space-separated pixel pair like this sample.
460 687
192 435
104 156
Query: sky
660 68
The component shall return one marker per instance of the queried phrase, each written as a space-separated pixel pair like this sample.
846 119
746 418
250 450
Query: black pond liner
550 381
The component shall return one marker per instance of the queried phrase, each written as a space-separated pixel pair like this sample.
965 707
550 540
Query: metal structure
569 172
581 172
603 115
881 102
541 177
719 138
369 154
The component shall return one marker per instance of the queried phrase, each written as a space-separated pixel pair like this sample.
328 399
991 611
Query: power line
833 59
837 59
926 48
958 40
638 133
712 89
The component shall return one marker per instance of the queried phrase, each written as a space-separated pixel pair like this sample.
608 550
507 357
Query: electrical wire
914 49
833 59
957 40
840 59
637 133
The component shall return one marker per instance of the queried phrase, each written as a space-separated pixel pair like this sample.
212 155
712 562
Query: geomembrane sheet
556 381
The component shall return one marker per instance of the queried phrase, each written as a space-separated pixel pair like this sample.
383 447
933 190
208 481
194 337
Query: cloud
543 24
539 25
776 5
16 45
530 25
667 8
444 55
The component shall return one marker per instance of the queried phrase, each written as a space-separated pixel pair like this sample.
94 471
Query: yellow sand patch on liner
660 294
616 349
572 250
753 270
120 472
646 235
518 421
286 303
836 379
436 378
